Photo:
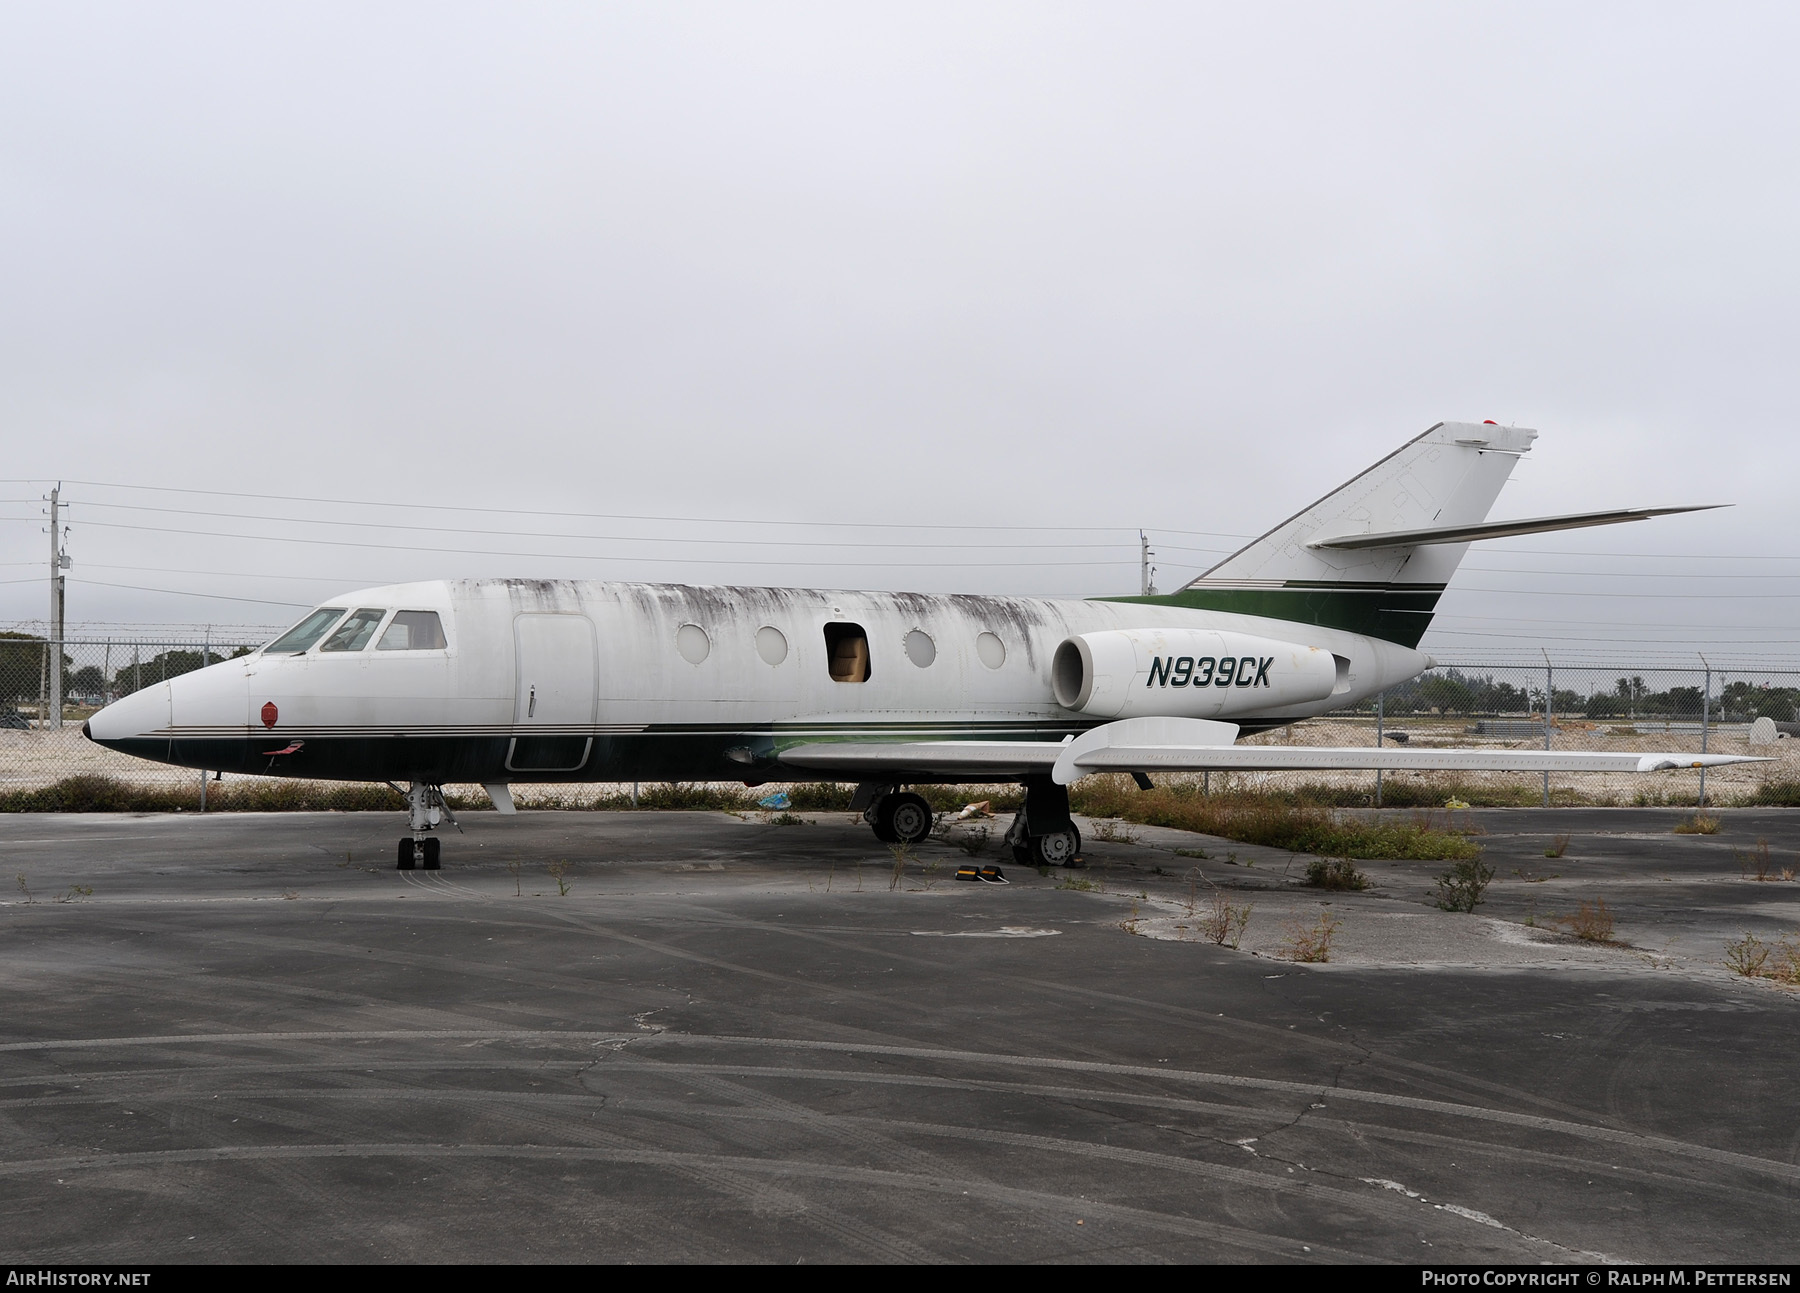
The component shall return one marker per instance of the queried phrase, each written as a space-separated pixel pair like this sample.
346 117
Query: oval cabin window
771 644
692 642
991 650
920 649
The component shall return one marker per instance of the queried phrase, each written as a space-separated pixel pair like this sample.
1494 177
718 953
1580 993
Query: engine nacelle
1189 673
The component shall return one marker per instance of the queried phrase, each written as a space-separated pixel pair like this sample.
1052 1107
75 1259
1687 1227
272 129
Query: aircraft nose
131 718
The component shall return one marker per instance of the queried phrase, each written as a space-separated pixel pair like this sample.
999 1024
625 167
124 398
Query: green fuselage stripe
1393 613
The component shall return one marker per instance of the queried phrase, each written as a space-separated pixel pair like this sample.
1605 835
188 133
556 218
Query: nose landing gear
426 805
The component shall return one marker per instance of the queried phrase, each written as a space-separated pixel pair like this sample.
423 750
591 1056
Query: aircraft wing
1202 745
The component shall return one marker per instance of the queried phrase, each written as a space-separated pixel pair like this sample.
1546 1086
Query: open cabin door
553 708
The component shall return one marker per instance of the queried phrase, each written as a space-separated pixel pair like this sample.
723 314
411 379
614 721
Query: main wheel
907 818
1058 848
431 853
406 854
876 816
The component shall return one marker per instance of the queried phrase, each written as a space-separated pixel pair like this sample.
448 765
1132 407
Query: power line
579 556
594 538
176 592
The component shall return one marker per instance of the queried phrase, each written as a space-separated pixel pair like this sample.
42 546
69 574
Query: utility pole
59 562
1146 571
1705 714
1549 715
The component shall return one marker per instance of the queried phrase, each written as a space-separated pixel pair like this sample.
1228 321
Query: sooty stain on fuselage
719 607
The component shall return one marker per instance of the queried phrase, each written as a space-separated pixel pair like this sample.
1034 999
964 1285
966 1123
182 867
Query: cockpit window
354 633
305 633
413 631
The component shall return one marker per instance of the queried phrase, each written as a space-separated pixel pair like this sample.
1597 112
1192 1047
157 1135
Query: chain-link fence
1587 707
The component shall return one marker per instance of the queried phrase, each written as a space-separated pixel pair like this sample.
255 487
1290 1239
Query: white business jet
498 681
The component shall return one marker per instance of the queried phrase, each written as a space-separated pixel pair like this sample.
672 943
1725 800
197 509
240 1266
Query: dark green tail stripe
1389 612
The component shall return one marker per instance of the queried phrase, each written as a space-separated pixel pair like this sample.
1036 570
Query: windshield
305 633
354 633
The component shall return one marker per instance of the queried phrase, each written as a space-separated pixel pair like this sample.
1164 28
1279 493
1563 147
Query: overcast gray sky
1098 266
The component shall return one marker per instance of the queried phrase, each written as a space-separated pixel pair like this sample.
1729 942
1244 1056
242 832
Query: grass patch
1558 847
1775 794
1698 824
96 794
1271 821
1335 873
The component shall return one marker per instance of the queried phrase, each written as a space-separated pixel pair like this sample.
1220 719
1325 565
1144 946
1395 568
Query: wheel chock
967 873
994 875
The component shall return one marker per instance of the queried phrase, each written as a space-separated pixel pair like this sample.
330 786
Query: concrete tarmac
246 1037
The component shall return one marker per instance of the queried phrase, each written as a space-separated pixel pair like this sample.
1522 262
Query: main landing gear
899 818
1041 835
427 807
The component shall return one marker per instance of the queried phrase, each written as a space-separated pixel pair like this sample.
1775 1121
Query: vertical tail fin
1450 475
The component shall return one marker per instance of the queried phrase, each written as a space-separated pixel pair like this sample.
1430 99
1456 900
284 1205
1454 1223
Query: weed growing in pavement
1697 824
1191 853
1335 873
1310 943
1747 956
1558 847
79 891
1462 887
1114 832
788 819
25 888
973 842
517 868
1130 923
1080 883
559 872
902 855
1756 863
1591 924
1225 923
1533 878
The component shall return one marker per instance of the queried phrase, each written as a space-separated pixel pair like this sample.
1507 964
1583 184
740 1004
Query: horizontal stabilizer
1501 529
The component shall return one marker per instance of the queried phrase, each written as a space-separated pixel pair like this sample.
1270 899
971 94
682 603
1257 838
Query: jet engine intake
1186 673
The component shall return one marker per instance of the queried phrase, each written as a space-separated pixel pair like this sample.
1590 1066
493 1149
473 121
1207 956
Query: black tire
405 862
877 818
1058 848
905 818
431 853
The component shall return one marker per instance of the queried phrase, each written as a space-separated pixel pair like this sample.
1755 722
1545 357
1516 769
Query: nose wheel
420 854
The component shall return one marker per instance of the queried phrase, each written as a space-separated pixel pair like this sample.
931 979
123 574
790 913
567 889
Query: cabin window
991 650
413 631
847 647
354 633
305 633
920 649
771 644
693 644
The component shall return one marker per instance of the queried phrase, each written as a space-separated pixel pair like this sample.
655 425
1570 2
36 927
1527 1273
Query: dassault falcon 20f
496 681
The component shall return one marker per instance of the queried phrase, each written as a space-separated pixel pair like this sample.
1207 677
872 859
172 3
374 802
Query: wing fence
44 765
